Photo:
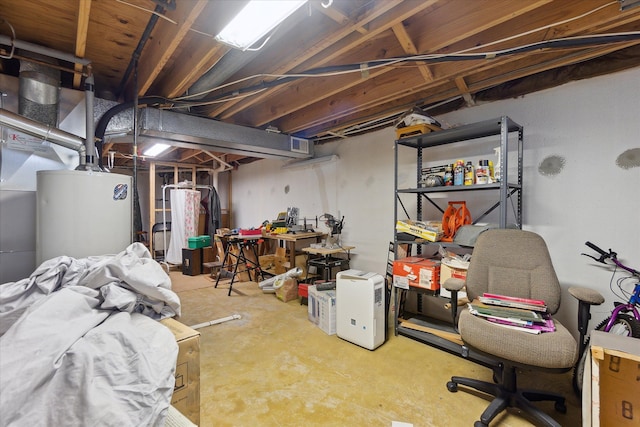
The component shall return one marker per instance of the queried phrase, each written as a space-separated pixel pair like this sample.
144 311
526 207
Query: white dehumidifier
360 308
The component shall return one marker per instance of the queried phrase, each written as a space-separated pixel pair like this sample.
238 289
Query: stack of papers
505 301
526 315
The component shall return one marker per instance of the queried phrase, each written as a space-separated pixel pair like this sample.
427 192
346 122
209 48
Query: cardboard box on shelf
322 309
417 272
186 392
422 230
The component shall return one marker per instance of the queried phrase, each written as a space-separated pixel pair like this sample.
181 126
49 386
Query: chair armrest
453 284
587 295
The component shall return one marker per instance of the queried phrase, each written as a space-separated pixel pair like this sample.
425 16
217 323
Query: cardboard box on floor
611 391
321 309
288 290
186 392
278 263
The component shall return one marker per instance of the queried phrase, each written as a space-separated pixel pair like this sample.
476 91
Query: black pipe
161 6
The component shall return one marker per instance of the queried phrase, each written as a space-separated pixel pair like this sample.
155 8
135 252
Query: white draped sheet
81 343
185 211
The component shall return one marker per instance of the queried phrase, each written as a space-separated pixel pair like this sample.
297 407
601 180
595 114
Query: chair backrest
513 262
160 226
158 231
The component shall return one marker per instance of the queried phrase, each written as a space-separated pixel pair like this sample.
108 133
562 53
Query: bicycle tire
625 325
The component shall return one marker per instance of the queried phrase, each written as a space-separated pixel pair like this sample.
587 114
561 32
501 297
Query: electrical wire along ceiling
331 68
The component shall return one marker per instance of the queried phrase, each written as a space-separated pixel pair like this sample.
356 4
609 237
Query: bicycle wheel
625 325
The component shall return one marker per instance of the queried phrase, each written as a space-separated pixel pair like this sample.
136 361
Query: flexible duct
101 127
269 285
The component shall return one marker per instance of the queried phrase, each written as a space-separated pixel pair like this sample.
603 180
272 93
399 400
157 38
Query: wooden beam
315 91
84 10
165 41
339 17
410 48
377 26
189 67
188 154
464 91
321 109
330 48
511 69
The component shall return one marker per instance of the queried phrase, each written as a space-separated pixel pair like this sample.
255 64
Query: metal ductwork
39 90
46 132
39 98
186 131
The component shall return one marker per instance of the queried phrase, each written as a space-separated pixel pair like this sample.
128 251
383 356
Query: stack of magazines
523 314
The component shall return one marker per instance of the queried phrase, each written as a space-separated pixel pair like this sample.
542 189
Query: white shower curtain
185 210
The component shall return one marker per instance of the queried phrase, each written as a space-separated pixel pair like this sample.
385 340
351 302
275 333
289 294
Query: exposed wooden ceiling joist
182 57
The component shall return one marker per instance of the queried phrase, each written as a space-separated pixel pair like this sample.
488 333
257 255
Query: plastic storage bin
199 242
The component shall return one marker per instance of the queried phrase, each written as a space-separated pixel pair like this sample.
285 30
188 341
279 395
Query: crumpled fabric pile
81 343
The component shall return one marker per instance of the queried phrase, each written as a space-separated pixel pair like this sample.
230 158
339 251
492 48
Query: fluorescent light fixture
310 162
255 20
156 149
628 4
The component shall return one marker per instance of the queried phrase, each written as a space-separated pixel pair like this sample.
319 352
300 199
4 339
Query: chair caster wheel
480 424
452 387
561 407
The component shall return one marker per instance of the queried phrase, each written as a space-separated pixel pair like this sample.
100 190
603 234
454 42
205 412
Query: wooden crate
611 391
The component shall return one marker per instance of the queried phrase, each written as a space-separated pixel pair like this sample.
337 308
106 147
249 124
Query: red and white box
417 272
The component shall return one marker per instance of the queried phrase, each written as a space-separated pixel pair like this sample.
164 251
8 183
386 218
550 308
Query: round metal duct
39 91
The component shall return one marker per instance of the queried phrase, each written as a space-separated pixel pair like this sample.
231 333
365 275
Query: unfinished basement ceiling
326 72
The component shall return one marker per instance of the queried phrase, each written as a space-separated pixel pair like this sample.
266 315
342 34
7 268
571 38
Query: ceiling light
255 20
628 4
156 149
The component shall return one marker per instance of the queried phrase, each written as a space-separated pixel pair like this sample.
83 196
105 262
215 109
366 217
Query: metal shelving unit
508 190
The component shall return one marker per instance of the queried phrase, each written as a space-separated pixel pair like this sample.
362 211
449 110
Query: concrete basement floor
273 367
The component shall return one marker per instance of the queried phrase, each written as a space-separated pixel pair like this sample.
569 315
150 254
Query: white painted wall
588 123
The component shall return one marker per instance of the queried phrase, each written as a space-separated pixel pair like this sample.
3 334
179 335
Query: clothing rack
180 186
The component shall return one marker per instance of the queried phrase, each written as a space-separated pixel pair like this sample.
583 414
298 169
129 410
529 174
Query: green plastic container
199 242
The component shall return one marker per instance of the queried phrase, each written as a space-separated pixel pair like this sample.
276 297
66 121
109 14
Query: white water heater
82 213
360 308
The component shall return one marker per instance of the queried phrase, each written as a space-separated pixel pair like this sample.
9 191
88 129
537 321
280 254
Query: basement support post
137 219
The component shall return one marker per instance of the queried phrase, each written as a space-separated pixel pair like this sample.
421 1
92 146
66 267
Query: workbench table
290 240
237 258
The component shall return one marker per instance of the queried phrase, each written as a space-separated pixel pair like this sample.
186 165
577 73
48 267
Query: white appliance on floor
360 308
